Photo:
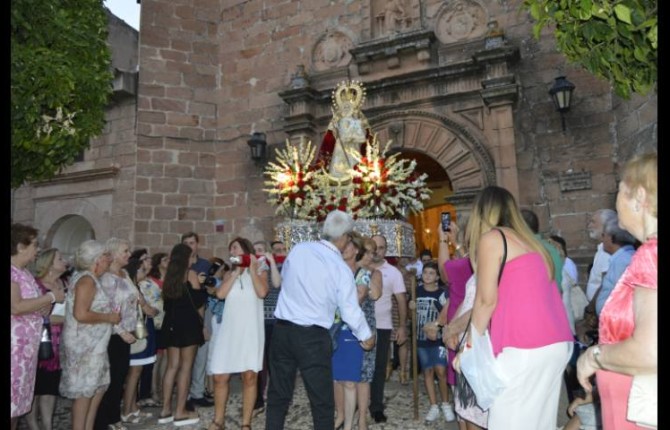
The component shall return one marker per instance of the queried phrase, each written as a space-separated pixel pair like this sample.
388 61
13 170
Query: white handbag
643 401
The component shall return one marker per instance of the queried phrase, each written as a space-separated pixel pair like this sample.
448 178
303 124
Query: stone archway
68 232
466 160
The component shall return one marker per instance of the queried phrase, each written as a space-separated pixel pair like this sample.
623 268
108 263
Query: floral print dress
83 354
26 332
368 307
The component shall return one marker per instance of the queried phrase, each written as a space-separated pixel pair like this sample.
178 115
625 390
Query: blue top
201 266
618 263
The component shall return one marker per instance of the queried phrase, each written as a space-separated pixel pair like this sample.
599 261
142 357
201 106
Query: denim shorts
431 356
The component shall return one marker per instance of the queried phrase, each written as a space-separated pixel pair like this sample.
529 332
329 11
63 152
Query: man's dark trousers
308 349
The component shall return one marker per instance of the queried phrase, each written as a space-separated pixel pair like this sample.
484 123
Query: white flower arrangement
380 187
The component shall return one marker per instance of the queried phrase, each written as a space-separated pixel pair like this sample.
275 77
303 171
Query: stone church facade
462 81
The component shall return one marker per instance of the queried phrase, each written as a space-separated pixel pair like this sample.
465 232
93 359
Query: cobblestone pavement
399 401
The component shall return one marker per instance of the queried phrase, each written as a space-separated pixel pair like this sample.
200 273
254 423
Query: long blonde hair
642 171
496 207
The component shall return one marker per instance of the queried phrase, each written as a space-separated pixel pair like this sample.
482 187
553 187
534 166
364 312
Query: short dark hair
426 252
431 265
22 234
531 219
190 234
275 242
560 241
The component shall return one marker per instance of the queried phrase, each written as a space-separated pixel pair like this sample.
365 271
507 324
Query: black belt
292 324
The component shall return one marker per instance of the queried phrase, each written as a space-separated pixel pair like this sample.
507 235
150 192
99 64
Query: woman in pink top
629 320
529 328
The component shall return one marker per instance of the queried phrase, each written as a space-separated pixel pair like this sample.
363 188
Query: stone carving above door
461 20
332 50
391 17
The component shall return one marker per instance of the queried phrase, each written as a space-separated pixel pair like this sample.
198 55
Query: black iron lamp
561 92
258 145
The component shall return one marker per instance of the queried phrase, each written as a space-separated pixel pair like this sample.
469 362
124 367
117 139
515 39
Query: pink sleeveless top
530 312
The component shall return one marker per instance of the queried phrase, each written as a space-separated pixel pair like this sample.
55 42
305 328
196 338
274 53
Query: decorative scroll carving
332 50
461 20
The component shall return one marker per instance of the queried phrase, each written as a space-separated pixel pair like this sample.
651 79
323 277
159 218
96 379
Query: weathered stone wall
212 71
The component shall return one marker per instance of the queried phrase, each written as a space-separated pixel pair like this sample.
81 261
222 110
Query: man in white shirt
315 282
601 259
393 285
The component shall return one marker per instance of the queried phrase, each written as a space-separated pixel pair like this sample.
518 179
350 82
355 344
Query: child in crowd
430 299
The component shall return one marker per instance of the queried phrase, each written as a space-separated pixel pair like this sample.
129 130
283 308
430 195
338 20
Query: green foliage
615 40
60 83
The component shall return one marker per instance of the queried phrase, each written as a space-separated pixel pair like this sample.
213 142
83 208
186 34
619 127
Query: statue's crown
348 94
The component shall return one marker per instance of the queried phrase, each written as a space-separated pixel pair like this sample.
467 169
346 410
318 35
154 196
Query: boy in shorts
430 299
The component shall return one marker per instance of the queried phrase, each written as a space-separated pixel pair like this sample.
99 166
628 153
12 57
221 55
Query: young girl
430 299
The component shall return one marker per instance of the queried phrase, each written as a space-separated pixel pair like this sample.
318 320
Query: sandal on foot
131 418
165 419
187 420
216 425
117 426
149 403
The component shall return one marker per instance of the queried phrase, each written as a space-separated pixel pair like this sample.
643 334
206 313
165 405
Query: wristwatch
596 355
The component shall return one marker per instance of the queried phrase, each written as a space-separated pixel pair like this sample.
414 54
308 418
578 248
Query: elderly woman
521 305
238 345
124 295
89 316
629 319
28 307
48 268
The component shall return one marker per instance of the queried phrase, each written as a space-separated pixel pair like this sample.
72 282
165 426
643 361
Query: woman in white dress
238 344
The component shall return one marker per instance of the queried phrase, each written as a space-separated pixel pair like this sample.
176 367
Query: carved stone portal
331 51
461 20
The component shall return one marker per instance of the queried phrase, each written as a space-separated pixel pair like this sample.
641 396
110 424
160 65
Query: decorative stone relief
393 17
332 50
461 20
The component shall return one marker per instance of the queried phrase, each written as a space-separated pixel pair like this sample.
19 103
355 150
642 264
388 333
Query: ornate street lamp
257 144
561 92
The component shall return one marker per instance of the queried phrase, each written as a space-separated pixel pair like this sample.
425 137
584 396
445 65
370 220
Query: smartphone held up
446 221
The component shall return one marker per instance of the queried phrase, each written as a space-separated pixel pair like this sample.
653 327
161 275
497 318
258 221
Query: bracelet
53 297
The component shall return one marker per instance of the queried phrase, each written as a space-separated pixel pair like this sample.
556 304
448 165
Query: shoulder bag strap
500 272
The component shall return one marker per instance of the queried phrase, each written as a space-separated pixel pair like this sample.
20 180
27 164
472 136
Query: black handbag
466 396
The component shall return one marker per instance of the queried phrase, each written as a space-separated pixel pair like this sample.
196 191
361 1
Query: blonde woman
628 328
524 312
48 268
124 295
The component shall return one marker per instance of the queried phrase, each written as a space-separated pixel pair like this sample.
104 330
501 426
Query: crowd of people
128 330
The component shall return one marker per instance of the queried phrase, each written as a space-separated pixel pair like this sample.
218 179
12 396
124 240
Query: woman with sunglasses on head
238 345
